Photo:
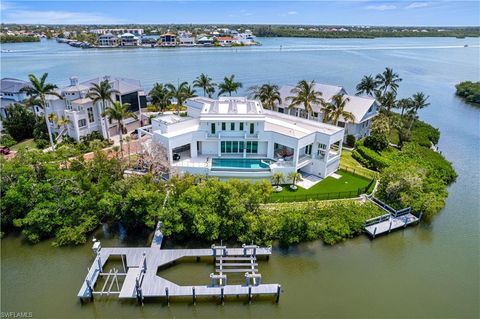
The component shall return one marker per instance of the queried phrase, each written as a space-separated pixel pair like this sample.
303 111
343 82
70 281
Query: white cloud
415 5
382 7
292 13
55 17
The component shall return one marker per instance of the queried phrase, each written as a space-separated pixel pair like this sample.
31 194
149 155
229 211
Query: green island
65 195
470 91
4 38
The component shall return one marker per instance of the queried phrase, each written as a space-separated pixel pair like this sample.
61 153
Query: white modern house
237 137
9 94
84 115
363 108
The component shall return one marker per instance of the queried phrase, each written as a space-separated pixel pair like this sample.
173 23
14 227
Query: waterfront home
128 40
237 137
225 41
186 41
168 40
9 94
107 40
205 41
84 115
364 109
118 31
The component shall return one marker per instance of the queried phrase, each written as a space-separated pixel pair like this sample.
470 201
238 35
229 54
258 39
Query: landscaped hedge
369 158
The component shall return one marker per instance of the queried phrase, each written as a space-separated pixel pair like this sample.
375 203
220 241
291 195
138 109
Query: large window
82 122
232 147
224 126
212 128
252 128
252 147
241 126
308 149
91 118
232 126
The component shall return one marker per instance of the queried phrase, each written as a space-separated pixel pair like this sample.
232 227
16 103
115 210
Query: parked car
176 156
5 150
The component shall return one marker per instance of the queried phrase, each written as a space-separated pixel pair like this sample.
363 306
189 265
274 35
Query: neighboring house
205 41
9 94
186 41
107 40
168 40
236 137
128 40
363 108
226 41
84 116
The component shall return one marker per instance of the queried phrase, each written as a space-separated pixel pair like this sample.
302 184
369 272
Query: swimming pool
240 164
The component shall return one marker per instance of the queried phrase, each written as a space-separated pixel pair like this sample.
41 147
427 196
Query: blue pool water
240 163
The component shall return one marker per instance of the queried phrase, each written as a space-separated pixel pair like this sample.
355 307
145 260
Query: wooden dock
141 280
392 220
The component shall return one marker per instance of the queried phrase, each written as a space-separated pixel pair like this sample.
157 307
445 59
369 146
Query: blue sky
358 12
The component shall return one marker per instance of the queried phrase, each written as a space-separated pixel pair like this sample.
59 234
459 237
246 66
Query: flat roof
295 126
171 118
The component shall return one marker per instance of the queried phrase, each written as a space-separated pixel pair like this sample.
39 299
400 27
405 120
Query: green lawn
348 163
26 143
330 188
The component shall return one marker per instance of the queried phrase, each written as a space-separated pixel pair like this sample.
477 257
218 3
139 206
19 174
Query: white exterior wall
209 148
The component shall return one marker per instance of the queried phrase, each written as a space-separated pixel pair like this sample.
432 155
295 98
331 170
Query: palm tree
306 95
268 94
277 179
31 102
63 123
39 90
118 112
336 108
102 92
388 80
388 101
160 96
367 85
204 82
419 101
180 93
229 85
404 105
295 177
210 92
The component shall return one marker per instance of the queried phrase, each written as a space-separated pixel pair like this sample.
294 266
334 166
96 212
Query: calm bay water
428 271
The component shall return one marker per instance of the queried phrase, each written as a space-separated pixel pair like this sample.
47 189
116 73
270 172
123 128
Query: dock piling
374 232
390 227
194 296
279 288
90 289
222 295
168 298
249 294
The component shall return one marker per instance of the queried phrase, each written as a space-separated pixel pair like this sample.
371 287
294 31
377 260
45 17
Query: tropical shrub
350 140
7 140
19 123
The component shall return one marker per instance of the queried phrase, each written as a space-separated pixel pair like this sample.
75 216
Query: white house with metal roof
237 137
9 94
364 109
84 115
